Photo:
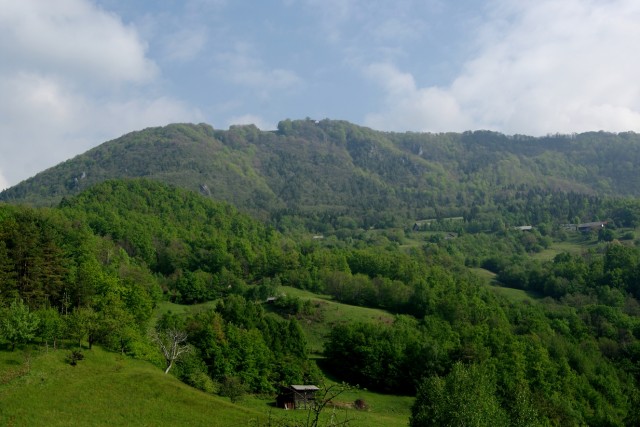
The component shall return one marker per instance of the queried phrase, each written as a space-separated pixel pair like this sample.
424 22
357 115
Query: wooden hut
297 397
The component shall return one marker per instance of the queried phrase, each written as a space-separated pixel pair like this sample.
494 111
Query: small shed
297 397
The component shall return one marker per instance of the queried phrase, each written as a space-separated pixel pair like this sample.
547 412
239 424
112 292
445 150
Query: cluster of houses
584 227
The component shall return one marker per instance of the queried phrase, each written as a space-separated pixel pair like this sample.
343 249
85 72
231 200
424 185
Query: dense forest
93 269
333 174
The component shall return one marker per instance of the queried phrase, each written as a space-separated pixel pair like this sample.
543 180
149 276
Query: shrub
233 388
360 405
201 381
74 357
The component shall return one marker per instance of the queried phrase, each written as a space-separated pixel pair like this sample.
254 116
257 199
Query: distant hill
336 171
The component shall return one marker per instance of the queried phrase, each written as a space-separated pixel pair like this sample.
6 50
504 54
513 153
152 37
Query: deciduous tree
465 397
17 323
172 344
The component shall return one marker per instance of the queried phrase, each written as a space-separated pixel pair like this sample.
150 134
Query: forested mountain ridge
333 169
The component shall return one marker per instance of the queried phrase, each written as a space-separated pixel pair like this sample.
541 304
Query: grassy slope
104 389
513 295
331 313
108 389
576 244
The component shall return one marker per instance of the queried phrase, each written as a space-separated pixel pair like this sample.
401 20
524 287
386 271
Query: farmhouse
297 397
588 226
423 224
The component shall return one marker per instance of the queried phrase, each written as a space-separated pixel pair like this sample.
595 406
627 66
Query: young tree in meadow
172 343
171 338
18 324
117 328
51 326
324 397
82 323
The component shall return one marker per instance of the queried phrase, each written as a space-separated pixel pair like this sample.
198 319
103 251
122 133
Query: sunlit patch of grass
514 295
330 313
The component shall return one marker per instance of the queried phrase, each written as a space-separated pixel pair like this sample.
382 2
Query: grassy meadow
329 313
39 388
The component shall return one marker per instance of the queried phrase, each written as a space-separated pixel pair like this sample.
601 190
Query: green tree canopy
17 323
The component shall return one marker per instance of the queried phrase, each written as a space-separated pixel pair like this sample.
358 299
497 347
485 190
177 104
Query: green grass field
575 245
382 410
513 295
107 389
329 314
104 389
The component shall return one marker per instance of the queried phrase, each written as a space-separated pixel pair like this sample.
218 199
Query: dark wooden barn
297 397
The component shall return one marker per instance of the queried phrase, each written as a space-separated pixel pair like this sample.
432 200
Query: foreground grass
104 389
382 410
39 388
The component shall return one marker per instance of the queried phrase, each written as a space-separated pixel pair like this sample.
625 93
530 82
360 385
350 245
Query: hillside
334 172
104 389
412 317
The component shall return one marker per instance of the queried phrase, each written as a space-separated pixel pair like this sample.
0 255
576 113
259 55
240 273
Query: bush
233 388
73 357
360 405
201 381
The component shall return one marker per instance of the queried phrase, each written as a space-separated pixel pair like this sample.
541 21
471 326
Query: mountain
336 171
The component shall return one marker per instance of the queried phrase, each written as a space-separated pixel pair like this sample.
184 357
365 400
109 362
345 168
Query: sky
76 73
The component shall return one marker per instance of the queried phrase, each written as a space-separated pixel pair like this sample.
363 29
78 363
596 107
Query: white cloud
409 107
243 66
542 66
72 37
72 76
47 122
